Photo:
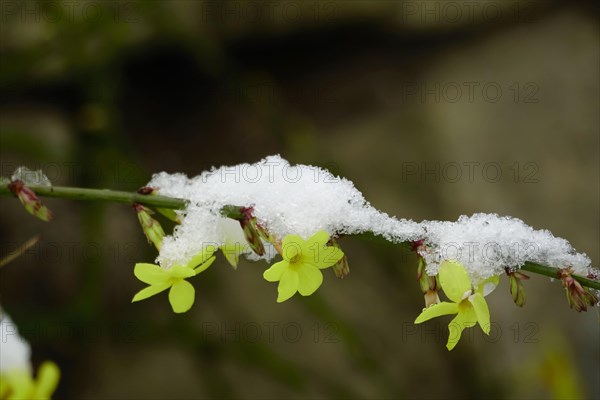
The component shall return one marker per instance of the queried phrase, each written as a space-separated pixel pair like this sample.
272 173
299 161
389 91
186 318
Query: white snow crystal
302 199
286 199
486 244
15 352
29 177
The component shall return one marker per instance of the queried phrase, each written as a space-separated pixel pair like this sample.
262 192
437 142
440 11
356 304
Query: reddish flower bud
28 198
167 212
151 227
517 290
430 285
251 231
146 190
579 298
341 268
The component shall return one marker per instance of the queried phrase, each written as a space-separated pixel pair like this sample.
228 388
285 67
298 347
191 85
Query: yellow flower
182 293
234 242
299 271
17 384
470 306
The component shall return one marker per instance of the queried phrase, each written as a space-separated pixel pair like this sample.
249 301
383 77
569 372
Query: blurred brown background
434 109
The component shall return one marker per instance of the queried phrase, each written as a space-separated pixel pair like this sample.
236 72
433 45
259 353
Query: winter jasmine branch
230 211
114 196
554 273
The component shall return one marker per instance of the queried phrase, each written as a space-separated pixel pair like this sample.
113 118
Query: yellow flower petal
465 319
292 247
47 381
319 239
437 310
274 273
486 287
150 291
3 387
232 258
150 273
204 265
232 251
201 257
288 285
310 278
181 272
20 384
481 311
454 280
324 257
292 239
181 296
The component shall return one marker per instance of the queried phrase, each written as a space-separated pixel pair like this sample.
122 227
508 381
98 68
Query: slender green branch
227 211
114 196
553 273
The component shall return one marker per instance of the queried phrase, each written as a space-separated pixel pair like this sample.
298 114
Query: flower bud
146 190
170 214
431 298
422 276
267 236
251 231
28 198
430 285
151 227
167 212
577 296
517 290
341 268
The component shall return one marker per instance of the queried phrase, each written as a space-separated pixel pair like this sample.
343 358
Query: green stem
114 196
553 273
227 211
